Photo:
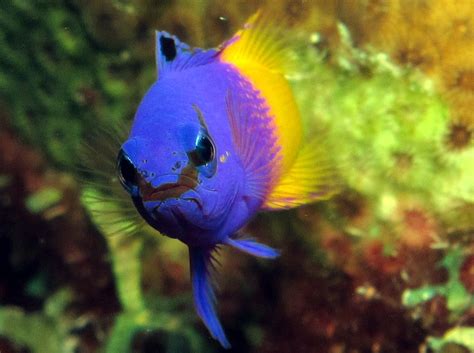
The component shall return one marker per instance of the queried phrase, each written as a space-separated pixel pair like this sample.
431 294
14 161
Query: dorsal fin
259 43
262 53
174 55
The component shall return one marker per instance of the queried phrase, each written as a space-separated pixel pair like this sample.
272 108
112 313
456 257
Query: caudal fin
204 297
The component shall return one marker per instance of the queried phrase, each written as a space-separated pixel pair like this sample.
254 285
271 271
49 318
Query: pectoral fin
250 246
253 137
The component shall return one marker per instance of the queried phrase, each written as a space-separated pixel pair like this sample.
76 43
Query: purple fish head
175 168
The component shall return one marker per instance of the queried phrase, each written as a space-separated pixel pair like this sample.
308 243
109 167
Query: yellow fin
262 53
260 43
312 177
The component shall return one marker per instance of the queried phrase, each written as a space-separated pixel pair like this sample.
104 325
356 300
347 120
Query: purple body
198 159
164 132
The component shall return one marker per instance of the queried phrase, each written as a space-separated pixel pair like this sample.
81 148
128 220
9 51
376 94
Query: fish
217 138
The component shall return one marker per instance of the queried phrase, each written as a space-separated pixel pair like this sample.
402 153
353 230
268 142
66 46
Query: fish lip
168 189
165 191
183 180
195 200
169 186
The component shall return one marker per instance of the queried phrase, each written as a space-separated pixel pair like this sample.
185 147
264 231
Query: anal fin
312 177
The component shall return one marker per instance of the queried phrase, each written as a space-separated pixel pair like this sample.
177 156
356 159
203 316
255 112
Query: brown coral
466 273
109 25
457 71
369 20
460 135
376 259
418 228
185 23
411 47
222 20
452 21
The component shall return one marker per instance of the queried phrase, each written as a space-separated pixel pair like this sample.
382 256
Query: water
385 265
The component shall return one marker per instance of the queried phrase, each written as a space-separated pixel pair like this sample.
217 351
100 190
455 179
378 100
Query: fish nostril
176 166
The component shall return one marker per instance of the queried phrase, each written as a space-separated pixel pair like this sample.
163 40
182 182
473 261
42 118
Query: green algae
458 298
67 84
463 336
387 124
43 199
41 332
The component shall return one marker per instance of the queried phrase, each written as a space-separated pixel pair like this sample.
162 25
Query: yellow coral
453 20
184 22
457 72
460 135
461 130
298 12
434 36
456 79
411 46
222 20
370 20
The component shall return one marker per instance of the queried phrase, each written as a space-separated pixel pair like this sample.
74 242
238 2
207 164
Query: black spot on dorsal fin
168 48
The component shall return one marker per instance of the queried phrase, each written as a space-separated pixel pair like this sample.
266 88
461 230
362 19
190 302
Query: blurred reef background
387 265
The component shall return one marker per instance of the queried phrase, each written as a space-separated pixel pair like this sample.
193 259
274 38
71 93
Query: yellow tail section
261 52
312 177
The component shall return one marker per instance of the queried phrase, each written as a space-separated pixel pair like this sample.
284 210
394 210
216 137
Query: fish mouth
164 192
174 190
161 194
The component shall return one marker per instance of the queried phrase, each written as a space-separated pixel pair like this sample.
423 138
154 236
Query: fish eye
127 172
204 151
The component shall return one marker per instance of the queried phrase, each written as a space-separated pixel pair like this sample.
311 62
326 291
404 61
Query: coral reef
387 265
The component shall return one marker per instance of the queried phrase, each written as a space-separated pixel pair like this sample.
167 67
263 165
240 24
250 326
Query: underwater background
385 265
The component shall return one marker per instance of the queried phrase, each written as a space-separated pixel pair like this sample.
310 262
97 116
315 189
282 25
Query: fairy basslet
217 138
